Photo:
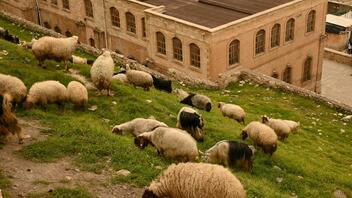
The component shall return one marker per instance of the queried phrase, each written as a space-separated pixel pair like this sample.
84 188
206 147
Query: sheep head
244 134
141 142
149 194
265 119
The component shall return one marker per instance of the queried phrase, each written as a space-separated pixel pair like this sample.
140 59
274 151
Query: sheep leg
66 65
61 105
19 135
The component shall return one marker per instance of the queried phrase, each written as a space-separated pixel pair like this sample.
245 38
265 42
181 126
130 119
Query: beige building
204 38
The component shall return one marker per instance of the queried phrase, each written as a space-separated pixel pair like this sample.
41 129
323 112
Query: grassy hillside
312 163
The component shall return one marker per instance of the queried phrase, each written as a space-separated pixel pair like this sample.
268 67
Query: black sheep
161 84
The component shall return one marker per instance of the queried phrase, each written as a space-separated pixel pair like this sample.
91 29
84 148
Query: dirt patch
32 177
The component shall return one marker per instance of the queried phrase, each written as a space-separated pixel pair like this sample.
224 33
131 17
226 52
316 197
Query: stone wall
338 56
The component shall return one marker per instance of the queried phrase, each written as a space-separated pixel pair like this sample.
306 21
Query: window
68 34
160 43
287 74
177 47
131 22
66 4
194 54
290 30
89 8
234 52
307 69
47 25
311 21
57 29
54 2
115 17
275 36
92 42
144 32
260 42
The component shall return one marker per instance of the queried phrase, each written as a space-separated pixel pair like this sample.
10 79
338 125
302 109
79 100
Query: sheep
232 111
59 49
193 180
28 45
8 120
46 92
138 126
262 136
78 60
171 142
280 127
77 94
191 121
13 86
195 100
293 125
102 72
121 76
4 34
139 78
229 153
161 84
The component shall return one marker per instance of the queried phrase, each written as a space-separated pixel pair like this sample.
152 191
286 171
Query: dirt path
32 177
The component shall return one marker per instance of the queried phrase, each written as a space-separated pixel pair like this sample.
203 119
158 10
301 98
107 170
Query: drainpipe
321 53
38 12
106 28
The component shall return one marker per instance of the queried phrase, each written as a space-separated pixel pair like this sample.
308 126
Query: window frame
130 23
234 52
160 43
275 36
260 44
194 55
177 49
290 30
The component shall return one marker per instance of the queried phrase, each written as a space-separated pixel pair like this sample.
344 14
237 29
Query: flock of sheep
187 179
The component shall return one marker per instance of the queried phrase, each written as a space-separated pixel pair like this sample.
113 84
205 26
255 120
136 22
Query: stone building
203 38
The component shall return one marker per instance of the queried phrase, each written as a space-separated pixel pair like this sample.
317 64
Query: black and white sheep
280 127
162 84
195 100
261 135
232 111
138 126
170 142
195 180
59 49
13 86
191 121
4 34
229 153
102 71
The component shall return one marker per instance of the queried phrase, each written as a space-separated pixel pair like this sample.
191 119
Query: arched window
307 67
115 17
144 32
290 30
286 76
68 34
54 2
89 8
177 48
92 42
66 4
131 22
234 52
47 25
275 35
260 42
311 21
160 43
57 29
194 55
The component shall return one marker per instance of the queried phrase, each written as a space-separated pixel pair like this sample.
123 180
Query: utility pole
38 12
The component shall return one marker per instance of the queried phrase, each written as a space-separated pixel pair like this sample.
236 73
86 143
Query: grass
312 163
63 193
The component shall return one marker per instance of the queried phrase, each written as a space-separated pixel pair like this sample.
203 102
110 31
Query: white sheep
195 100
77 94
102 72
294 126
78 60
171 142
46 92
191 121
139 78
280 127
13 86
195 180
261 135
120 77
28 45
232 111
59 49
138 126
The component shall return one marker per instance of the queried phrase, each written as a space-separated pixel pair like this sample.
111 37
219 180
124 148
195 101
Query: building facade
204 38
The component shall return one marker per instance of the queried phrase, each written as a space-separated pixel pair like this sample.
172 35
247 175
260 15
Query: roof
338 20
213 13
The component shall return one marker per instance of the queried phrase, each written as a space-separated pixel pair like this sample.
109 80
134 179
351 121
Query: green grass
323 160
4 185
64 193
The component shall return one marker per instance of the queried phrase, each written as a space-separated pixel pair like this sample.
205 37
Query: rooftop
213 13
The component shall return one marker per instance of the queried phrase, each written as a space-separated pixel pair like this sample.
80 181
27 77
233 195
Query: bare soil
32 177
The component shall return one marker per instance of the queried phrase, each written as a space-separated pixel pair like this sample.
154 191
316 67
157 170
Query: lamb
102 72
280 127
229 153
193 180
78 60
8 120
121 76
46 92
14 87
139 78
77 94
191 121
232 111
195 100
59 49
262 136
138 126
161 84
293 125
171 142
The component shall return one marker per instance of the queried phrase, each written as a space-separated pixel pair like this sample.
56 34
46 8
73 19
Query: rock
68 178
339 194
148 101
279 179
114 102
106 120
227 91
300 177
93 108
158 167
340 114
347 118
277 168
342 131
123 172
